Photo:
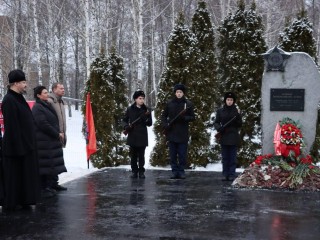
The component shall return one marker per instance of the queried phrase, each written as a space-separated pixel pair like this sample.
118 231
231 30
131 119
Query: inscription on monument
286 99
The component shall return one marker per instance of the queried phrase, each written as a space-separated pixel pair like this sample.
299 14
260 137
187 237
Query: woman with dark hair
227 123
49 145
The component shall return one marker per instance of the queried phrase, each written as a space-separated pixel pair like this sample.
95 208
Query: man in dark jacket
175 120
227 123
20 162
136 120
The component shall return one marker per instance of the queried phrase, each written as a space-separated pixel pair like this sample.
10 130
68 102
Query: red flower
292 164
306 160
290 135
259 159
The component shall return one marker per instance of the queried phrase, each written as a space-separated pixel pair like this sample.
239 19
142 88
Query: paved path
109 205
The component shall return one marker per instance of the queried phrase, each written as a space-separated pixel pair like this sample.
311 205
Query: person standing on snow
135 122
55 99
1 174
20 162
227 122
175 121
49 140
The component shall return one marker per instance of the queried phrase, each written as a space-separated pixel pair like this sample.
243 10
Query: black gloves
221 129
128 128
145 117
165 126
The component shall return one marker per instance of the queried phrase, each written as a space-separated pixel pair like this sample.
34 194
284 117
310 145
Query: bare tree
50 43
37 41
87 37
56 40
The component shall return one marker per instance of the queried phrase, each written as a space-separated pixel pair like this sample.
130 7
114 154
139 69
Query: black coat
230 134
178 131
138 135
19 137
1 174
50 151
20 163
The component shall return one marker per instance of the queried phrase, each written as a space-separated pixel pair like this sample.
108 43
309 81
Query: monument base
276 178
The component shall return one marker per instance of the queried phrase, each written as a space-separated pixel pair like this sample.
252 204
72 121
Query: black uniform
230 138
137 134
230 134
178 132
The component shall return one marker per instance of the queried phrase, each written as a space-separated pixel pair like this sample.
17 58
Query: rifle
219 134
125 132
175 118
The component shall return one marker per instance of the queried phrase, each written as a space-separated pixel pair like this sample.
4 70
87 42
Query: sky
75 152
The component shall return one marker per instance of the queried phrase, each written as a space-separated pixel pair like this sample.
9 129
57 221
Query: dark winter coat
50 151
229 134
138 135
1 174
19 136
20 163
177 131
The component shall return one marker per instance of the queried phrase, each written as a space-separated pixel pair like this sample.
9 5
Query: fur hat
138 94
16 75
230 95
179 86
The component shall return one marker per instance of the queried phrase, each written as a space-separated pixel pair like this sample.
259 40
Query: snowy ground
75 152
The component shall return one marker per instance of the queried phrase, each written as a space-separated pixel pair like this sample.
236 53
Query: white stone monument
290 88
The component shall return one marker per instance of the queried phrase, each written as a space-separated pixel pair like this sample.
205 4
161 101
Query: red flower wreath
291 138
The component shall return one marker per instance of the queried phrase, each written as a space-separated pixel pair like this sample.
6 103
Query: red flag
91 131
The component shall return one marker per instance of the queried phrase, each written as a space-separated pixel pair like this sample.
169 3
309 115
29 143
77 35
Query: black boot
174 176
231 178
134 175
48 193
60 188
225 179
141 175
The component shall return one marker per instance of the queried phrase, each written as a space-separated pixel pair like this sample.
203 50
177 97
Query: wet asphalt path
109 205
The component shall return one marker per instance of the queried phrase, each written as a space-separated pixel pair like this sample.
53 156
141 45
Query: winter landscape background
113 48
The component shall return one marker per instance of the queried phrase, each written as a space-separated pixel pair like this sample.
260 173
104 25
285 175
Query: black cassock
1 175
20 170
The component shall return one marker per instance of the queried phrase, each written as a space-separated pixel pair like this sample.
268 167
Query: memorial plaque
286 99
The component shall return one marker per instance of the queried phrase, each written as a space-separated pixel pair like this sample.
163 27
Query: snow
75 152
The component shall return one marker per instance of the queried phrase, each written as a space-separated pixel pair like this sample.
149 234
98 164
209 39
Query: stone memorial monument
290 88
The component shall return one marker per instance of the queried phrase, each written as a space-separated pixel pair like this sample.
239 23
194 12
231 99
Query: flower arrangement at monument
289 168
291 138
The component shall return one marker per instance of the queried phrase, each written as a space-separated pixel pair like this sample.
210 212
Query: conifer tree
107 90
240 70
178 69
298 37
115 75
203 87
